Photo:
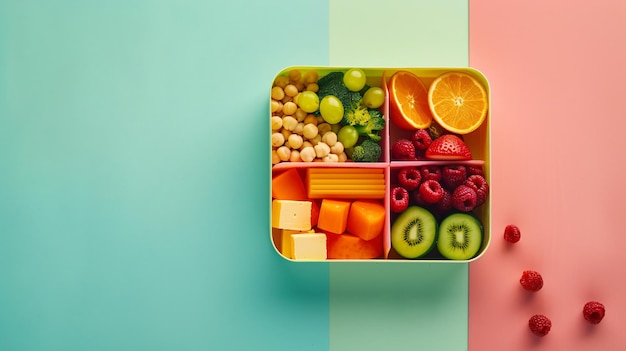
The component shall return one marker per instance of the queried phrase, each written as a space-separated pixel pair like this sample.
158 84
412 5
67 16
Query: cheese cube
282 239
291 214
308 246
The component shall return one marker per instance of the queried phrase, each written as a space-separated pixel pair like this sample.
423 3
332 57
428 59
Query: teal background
134 179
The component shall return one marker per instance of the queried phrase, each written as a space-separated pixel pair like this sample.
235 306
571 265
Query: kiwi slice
414 232
460 236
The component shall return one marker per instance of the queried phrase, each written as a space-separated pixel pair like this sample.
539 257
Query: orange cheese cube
333 215
350 247
366 219
288 185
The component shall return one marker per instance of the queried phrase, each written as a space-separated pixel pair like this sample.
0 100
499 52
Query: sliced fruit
414 232
460 236
458 102
408 101
448 147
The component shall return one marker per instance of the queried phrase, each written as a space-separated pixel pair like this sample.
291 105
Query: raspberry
453 175
531 280
409 178
421 139
416 198
464 198
512 233
480 186
403 149
431 172
399 199
430 191
539 324
445 204
593 312
475 170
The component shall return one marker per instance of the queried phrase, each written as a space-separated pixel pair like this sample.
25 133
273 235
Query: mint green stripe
392 305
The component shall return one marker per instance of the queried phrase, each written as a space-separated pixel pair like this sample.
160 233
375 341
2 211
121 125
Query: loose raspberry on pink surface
593 312
399 199
431 191
409 178
464 198
421 139
430 172
512 233
531 280
403 149
540 325
480 186
453 176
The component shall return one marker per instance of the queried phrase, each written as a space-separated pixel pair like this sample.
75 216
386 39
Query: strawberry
448 147
403 149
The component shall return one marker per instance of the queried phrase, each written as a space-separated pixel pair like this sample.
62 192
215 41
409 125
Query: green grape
331 109
308 101
348 136
374 97
354 79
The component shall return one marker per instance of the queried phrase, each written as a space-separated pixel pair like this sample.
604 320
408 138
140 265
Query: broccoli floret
332 84
367 151
375 124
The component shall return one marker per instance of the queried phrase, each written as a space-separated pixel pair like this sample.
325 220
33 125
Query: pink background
557 71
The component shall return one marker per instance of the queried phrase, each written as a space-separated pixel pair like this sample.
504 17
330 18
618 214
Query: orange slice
408 101
458 102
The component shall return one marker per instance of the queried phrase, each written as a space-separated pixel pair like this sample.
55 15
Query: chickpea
307 154
284 153
295 141
291 90
289 123
321 149
275 105
310 119
323 128
305 144
330 138
277 122
295 156
278 139
300 115
278 93
310 131
290 108
275 158
286 133
331 158
316 140
281 81
337 148
311 76
299 128
312 87
295 75
343 157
